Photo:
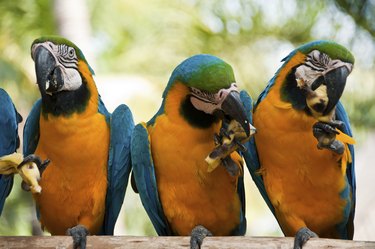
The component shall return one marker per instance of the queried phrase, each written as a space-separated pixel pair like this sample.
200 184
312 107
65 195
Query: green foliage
20 22
363 13
16 219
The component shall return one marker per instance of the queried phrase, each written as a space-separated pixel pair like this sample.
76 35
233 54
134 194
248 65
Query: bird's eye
71 52
30 167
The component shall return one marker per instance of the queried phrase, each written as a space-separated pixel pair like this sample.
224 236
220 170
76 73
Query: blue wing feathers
9 141
31 129
241 229
119 165
347 229
145 179
342 116
103 110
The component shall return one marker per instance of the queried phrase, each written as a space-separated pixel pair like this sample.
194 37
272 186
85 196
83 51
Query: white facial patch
209 102
72 79
66 61
317 64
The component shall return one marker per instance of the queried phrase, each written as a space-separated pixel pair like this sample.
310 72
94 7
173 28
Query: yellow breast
303 182
75 182
189 194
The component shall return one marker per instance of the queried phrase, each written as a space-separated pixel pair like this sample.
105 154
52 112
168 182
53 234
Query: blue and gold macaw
89 148
304 168
168 154
9 140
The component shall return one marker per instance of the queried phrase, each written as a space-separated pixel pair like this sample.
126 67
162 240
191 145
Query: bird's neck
284 92
84 100
179 107
66 103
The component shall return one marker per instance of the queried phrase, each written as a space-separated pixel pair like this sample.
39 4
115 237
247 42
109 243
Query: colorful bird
302 159
89 148
179 191
9 140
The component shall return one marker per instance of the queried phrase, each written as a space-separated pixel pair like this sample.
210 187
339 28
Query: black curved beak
335 81
233 107
48 76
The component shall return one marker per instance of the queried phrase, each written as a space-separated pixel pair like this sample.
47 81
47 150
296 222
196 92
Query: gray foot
230 166
197 236
302 236
326 133
79 234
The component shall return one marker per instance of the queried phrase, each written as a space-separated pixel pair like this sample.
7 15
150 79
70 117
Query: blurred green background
133 47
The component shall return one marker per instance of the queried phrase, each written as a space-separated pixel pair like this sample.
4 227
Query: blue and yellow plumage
303 185
89 148
169 151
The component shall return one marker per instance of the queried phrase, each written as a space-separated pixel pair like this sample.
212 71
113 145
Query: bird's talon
302 236
43 166
79 234
241 147
224 133
230 166
217 139
338 124
337 147
197 236
325 127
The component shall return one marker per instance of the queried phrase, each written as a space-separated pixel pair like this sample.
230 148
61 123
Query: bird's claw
338 124
31 169
230 166
241 146
336 146
43 166
225 133
197 236
327 128
79 234
326 133
217 139
302 236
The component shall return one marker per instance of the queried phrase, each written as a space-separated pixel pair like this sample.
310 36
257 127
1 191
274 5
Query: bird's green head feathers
205 72
211 91
334 50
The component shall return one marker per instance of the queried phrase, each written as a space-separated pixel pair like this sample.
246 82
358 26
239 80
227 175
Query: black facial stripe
320 60
68 60
74 66
324 59
67 64
313 67
63 55
62 49
203 99
204 95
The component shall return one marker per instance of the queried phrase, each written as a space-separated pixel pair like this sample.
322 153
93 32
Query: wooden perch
133 242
